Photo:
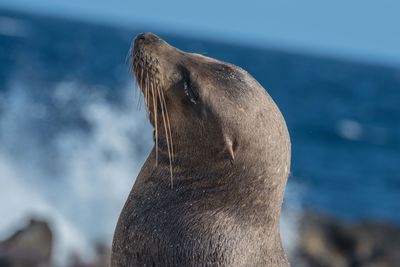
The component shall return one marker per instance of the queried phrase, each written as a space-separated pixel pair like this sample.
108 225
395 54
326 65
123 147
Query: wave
70 155
77 177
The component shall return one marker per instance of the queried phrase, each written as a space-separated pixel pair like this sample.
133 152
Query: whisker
152 88
138 106
146 93
167 135
135 73
129 57
139 73
155 119
141 82
141 76
137 80
168 124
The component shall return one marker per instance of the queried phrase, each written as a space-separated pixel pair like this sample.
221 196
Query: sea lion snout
155 63
145 38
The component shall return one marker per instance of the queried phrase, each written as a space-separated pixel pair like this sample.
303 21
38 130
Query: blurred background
73 136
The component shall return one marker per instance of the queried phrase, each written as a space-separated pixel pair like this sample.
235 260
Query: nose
146 37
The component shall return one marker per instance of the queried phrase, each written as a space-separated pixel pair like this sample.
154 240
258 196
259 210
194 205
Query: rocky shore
323 242
327 242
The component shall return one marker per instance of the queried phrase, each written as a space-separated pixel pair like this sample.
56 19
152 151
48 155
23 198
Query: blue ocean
74 133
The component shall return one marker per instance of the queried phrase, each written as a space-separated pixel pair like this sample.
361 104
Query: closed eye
189 88
189 92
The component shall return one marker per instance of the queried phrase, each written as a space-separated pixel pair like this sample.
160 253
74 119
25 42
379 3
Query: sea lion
211 190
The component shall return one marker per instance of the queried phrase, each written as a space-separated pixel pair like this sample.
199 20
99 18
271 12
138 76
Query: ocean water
73 136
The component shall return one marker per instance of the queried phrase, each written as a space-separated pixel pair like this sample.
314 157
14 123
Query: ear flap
230 147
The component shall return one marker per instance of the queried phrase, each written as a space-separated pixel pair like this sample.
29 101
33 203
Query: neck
244 195
247 181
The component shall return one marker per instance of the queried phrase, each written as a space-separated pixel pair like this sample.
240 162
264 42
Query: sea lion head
205 111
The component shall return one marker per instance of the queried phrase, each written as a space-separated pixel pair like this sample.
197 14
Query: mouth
145 68
148 75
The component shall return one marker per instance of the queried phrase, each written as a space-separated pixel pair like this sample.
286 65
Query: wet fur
230 166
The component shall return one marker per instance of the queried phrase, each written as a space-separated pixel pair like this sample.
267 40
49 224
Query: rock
28 247
327 242
323 242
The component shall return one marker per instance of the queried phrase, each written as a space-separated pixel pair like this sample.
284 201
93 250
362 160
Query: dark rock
323 242
28 247
327 242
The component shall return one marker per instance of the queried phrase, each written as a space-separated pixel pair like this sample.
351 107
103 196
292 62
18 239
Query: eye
189 92
189 88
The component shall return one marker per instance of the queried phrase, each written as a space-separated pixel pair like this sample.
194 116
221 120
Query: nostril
140 37
146 38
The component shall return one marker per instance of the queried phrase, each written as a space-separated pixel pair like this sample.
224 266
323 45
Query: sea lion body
231 160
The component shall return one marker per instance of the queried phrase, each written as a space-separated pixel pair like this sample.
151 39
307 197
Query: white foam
350 129
78 180
20 203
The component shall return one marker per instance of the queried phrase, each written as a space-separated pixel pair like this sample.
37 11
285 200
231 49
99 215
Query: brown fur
230 163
